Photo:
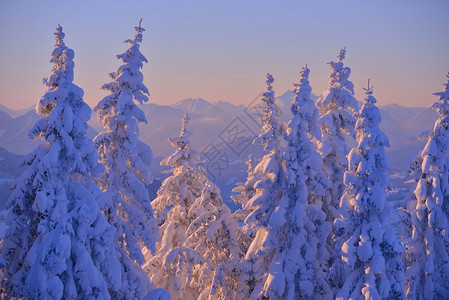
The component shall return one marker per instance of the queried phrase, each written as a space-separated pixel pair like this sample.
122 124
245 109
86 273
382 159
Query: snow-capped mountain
14 132
219 123
204 108
16 113
192 106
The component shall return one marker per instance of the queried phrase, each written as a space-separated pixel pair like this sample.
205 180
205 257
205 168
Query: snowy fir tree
244 192
58 244
200 249
335 106
427 258
127 161
371 267
175 267
216 236
267 207
299 265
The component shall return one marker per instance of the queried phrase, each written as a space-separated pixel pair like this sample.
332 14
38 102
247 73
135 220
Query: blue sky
222 50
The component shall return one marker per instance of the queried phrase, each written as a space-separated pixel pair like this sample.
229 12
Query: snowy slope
403 126
16 113
14 131
10 169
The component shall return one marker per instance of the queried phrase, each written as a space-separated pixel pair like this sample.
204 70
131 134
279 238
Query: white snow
369 260
425 227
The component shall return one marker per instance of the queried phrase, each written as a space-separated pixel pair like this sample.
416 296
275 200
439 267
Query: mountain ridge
211 123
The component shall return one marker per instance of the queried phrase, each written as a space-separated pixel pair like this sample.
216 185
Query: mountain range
213 122
223 132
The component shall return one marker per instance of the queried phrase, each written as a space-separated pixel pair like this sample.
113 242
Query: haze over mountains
222 132
403 125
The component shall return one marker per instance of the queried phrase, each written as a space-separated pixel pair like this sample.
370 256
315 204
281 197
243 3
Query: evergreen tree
268 206
127 161
58 243
335 106
245 191
427 259
298 268
370 262
200 250
217 237
172 265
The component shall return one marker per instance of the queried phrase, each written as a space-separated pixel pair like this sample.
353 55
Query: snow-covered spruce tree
370 255
299 265
336 105
245 191
200 250
217 237
58 243
127 161
174 267
427 258
268 206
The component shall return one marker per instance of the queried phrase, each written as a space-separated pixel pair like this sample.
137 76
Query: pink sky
221 52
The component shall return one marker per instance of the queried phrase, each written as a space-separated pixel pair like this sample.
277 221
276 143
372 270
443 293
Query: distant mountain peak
192 105
221 102
392 105
287 94
287 97
16 112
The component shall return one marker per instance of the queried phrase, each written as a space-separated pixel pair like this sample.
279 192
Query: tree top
139 29
369 90
269 80
59 35
341 54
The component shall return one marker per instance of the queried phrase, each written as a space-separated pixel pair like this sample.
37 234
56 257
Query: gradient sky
221 50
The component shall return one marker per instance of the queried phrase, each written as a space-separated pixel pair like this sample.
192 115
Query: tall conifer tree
267 208
127 162
302 255
336 105
58 244
201 248
427 256
369 263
